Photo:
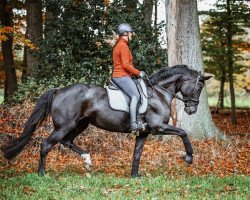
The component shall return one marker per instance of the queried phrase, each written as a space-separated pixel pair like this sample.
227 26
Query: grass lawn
105 186
1 96
241 102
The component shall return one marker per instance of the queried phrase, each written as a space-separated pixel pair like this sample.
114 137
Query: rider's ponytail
112 40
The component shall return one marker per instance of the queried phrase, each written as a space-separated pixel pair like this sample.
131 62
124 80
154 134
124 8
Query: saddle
118 100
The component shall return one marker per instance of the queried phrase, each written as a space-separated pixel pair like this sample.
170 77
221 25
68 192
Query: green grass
241 102
1 96
106 186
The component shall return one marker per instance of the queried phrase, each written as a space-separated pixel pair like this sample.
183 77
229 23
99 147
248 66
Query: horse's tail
40 112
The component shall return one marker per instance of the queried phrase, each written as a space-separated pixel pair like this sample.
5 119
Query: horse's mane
166 72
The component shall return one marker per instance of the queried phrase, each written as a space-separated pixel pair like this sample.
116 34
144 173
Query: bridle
190 96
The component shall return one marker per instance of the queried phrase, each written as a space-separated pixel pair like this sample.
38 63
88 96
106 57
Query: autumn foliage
112 152
19 37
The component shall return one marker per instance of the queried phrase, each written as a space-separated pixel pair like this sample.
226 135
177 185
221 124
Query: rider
123 70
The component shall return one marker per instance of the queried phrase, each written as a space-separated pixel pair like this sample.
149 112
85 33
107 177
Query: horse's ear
207 77
204 78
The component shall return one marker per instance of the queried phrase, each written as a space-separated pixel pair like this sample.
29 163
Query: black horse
74 107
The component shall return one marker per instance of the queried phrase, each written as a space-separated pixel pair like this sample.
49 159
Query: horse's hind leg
69 138
56 136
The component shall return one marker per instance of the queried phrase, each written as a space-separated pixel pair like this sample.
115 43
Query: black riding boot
135 126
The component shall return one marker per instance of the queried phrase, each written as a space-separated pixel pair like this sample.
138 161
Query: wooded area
52 44
67 42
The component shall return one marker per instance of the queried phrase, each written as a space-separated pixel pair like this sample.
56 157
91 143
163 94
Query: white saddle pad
117 99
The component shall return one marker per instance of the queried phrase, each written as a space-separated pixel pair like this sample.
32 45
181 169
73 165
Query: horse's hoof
41 173
136 176
87 166
188 159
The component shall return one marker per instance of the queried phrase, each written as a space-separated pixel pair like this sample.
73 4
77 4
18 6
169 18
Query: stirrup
137 127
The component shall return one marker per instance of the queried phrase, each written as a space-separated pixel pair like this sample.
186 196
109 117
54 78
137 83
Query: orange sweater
122 59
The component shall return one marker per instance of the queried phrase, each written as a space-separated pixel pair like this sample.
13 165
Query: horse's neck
168 91
172 87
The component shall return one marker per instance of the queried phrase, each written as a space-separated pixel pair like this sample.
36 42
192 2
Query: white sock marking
86 158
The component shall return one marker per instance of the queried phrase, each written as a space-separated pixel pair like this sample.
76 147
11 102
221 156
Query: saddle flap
120 101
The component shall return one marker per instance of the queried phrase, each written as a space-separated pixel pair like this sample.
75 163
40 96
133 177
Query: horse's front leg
139 143
171 130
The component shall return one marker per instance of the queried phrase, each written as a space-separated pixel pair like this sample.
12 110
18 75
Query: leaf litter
112 152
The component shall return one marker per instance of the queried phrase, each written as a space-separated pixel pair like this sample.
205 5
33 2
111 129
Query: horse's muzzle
190 110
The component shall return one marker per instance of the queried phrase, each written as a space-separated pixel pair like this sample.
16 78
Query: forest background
67 54
47 44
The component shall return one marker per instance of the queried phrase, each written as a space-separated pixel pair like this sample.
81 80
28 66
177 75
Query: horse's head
180 78
191 89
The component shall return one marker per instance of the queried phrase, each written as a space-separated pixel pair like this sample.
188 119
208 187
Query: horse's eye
200 86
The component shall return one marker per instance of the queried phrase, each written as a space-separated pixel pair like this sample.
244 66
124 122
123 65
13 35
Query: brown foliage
112 152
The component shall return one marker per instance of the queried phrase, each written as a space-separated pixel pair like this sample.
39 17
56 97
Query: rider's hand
142 74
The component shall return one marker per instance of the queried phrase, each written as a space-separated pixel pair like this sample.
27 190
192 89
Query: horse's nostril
193 110
190 110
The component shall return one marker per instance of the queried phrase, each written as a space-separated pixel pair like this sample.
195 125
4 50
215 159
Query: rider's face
130 35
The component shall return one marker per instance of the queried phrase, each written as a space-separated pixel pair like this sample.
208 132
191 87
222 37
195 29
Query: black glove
142 74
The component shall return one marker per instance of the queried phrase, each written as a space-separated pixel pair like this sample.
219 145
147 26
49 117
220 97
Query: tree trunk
10 83
156 13
184 47
230 62
34 30
48 18
221 93
148 10
24 63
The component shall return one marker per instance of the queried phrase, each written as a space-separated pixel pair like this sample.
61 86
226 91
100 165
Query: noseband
190 96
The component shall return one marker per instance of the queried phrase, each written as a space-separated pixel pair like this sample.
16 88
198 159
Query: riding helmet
124 28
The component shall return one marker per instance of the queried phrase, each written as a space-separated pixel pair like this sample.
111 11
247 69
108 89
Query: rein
184 100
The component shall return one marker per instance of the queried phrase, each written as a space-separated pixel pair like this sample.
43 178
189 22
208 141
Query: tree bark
34 31
184 47
24 63
10 83
156 13
48 18
230 62
221 93
148 11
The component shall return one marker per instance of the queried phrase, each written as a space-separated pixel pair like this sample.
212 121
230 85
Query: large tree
33 32
222 41
215 52
184 47
10 84
148 6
